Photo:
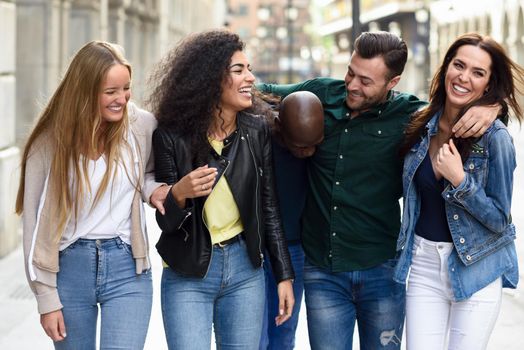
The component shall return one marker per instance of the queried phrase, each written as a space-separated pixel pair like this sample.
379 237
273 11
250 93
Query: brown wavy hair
506 79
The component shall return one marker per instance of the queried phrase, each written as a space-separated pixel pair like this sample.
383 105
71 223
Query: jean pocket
126 247
67 250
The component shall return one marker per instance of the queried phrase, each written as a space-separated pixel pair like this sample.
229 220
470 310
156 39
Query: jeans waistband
421 241
99 243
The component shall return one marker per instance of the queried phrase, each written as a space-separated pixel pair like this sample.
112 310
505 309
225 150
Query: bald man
297 129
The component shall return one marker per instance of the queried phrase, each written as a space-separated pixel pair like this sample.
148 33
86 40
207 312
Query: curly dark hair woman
220 212
190 85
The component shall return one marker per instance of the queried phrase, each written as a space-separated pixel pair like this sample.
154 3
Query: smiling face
237 88
467 77
367 82
114 93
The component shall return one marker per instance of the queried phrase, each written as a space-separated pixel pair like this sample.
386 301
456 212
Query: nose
464 76
351 84
123 97
250 76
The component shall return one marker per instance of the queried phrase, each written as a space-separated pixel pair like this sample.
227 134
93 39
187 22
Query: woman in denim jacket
457 236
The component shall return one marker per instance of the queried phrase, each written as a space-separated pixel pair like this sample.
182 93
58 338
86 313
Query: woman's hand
53 324
197 183
476 121
158 197
286 300
449 163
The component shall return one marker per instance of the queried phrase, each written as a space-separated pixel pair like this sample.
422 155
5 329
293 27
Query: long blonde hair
71 122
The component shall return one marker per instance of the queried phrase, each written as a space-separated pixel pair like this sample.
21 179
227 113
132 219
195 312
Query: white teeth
460 88
245 90
116 109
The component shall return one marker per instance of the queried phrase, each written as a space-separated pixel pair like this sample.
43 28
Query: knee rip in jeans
389 337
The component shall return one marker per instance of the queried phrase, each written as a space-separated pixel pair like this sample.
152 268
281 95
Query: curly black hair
188 85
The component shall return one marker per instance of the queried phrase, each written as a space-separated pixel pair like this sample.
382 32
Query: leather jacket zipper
256 202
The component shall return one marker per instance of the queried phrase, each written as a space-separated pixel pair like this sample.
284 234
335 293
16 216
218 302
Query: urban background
287 41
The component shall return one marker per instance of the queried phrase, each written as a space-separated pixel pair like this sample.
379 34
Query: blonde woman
85 173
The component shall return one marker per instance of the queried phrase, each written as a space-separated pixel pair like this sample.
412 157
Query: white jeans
433 318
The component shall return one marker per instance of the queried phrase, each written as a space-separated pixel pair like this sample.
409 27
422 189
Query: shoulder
140 118
42 148
498 133
404 102
253 121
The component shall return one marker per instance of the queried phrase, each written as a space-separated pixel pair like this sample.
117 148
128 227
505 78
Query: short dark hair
392 48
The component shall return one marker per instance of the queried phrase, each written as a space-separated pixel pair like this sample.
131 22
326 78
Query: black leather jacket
185 242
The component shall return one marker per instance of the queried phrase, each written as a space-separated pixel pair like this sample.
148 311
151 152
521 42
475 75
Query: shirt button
462 240
455 217
468 257
337 183
471 166
347 114
345 130
341 156
334 234
452 269
335 207
379 132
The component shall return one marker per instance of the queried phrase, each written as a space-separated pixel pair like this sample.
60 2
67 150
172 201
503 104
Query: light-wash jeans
282 337
231 297
336 300
101 273
433 318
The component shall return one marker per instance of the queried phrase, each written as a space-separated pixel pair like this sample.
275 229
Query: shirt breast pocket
381 142
475 164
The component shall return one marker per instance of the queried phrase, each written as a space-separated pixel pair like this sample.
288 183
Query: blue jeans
334 301
102 272
282 337
230 297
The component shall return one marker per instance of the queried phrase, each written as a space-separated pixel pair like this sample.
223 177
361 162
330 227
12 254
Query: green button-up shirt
352 215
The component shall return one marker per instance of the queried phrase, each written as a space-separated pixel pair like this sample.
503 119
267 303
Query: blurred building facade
279 37
40 36
503 20
407 18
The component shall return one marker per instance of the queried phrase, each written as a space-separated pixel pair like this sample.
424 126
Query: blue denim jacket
478 213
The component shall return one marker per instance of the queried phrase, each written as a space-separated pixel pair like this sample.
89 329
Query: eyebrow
477 68
241 65
360 76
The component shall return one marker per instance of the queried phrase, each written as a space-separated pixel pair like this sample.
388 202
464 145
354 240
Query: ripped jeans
334 301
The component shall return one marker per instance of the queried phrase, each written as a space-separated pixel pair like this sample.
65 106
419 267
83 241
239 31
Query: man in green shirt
352 216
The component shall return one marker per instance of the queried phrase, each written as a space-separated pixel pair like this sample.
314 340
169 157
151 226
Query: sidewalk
20 328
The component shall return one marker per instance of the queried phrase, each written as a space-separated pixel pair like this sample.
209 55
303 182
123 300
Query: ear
393 82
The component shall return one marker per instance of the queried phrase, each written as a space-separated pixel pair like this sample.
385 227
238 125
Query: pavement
20 328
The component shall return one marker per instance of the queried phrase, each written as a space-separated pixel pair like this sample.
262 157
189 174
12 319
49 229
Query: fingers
61 326
463 125
158 198
53 324
286 301
452 146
